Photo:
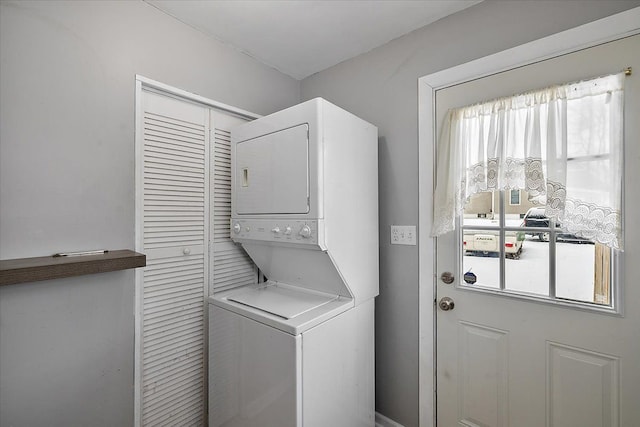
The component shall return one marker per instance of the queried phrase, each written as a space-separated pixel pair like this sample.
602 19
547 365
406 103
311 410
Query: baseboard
382 421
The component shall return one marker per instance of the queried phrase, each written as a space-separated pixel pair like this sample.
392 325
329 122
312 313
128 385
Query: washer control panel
274 230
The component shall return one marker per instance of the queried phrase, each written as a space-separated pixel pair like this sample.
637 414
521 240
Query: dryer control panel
303 232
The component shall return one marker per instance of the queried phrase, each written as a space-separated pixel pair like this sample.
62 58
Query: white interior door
519 360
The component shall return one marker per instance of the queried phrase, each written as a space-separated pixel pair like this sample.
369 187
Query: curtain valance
562 145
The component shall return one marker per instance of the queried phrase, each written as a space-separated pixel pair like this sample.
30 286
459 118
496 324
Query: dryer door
272 173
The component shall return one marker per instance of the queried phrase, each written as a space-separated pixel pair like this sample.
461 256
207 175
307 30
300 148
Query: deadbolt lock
447 277
446 304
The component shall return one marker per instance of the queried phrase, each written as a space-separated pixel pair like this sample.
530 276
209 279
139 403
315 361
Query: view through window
515 248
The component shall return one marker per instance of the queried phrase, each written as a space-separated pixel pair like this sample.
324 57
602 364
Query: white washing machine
298 350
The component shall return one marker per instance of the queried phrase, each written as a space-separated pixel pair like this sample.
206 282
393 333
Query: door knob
446 304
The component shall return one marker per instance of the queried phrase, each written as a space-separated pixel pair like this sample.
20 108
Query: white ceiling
302 37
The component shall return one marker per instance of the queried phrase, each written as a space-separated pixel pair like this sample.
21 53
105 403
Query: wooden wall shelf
23 270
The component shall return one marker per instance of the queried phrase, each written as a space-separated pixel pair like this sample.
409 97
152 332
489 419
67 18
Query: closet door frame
145 84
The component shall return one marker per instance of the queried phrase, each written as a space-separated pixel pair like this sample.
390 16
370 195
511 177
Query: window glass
480 263
521 234
482 209
583 272
529 272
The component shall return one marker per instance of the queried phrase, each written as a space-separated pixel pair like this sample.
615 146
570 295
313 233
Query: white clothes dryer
298 350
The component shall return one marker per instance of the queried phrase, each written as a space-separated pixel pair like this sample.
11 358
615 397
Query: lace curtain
562 145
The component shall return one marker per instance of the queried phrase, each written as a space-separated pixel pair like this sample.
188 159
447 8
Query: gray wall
67 78
381 87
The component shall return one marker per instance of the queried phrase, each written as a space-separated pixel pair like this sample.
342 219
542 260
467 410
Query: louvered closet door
174 237
231 265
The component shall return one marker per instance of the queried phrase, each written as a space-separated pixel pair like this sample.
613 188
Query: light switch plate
403 235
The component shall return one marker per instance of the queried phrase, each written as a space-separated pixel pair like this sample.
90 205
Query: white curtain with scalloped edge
563 145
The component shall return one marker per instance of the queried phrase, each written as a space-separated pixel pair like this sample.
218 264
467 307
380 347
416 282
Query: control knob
305 231
287 230
276 229
236 228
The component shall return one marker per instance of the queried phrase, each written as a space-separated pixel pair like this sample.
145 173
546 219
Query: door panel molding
481 346
570 369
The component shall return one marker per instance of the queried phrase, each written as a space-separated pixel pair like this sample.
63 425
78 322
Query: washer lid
282 300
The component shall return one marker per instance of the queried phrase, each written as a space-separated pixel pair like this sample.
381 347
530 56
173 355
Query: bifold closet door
183 214
173 233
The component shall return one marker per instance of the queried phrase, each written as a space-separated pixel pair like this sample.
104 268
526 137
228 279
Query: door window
534 183
520 252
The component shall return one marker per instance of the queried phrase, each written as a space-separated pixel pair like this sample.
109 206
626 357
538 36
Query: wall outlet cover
403 235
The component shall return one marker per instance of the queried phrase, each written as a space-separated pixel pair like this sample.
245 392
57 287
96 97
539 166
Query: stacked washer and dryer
298 349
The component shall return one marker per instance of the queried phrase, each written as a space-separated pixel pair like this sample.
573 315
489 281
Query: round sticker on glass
470 278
